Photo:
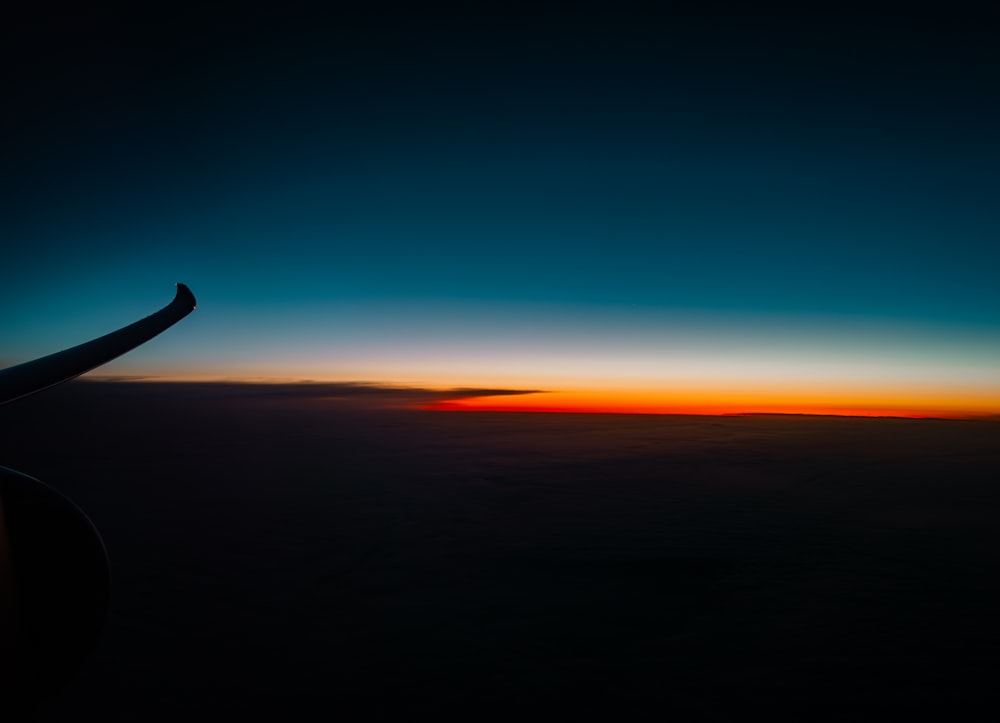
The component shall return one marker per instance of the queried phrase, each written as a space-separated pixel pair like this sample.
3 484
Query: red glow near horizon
522 404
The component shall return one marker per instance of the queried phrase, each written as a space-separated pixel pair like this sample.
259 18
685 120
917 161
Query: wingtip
184 294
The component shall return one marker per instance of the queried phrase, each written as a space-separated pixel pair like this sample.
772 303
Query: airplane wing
34 376
54 575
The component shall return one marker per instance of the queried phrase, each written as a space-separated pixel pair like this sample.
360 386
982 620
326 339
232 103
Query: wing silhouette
23 379
54 574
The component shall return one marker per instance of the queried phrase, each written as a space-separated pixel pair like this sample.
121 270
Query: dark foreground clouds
281 557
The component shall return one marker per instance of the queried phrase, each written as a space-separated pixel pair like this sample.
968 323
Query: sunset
580 358
680 402
499 360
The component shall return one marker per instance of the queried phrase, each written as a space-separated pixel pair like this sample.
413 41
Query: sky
655 207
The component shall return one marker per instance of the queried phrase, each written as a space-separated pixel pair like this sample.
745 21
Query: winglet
34 376
185 296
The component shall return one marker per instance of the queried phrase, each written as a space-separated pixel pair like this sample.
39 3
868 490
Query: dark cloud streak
374 393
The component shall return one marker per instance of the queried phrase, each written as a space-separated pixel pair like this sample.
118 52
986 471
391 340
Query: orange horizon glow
464 406
857 400
631 402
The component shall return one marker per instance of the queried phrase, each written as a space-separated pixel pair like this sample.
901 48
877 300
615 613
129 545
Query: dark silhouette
54 575
34 376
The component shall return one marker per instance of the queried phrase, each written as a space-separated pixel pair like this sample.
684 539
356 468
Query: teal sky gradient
468 192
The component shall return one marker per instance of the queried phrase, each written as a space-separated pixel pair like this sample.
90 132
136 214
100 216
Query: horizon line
499 399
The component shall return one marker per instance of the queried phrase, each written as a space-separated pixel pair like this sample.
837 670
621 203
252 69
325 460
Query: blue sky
457 173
